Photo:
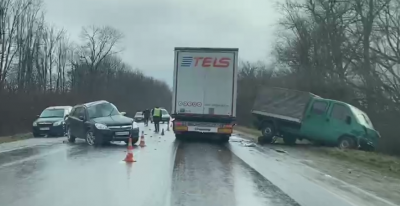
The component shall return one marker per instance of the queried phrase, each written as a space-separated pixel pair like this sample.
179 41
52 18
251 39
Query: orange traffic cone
162 131
129 155
142 143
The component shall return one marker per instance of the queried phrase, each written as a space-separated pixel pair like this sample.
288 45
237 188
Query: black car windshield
47 113
102 110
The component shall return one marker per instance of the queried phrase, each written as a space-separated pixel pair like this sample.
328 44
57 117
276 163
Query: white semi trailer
204 91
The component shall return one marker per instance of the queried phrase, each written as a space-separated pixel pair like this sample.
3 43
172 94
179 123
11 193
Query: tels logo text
221 62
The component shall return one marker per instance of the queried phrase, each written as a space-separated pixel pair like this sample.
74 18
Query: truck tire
179 137
346 142
224 138
268 133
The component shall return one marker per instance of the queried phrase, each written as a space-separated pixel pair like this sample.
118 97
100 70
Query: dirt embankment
376 173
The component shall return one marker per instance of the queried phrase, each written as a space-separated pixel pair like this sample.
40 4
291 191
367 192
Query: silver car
139 117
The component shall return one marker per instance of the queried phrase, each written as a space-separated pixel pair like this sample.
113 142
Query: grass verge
377 161
16 137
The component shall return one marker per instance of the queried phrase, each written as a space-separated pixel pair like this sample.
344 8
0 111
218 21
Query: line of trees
345 50
40 67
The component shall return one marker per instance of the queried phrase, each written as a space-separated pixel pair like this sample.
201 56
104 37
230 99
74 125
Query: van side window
339 112
319 107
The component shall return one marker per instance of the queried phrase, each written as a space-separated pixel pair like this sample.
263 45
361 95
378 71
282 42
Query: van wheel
268 134
346 142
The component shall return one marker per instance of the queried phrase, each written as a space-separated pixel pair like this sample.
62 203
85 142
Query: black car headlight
100 126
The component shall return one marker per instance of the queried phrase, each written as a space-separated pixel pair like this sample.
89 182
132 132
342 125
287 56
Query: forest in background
40 67
344 50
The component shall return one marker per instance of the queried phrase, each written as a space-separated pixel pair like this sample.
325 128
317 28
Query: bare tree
99 43
10 14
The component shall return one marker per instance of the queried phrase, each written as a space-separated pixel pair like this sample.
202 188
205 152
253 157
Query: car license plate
45 128
121 133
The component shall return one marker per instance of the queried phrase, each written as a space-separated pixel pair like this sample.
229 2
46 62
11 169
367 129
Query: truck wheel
179 137
346 142
224 138
289 140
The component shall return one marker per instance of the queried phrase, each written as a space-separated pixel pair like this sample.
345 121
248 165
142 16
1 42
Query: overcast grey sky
152 28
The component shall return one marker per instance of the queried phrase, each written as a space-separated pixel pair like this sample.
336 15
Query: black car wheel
69 136
90 138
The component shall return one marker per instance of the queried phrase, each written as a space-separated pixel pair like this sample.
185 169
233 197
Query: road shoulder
28 142
13 138
373 173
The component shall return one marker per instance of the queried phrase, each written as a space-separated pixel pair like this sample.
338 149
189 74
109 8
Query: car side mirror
37 115
348 120
81 117
123 113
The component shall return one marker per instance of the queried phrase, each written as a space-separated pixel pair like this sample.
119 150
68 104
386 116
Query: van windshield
362 118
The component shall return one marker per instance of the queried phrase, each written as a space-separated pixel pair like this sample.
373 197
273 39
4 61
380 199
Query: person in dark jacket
151 115
146 116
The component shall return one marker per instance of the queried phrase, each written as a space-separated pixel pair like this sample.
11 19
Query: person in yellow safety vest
156 113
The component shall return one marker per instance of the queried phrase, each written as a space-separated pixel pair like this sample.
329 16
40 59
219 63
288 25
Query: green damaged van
292 115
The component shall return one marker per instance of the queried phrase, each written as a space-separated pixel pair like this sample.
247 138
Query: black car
51 121
99 123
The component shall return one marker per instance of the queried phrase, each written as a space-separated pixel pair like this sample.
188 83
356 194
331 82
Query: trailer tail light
181 128
178 126
225 130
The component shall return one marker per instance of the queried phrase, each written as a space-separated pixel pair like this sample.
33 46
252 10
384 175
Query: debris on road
280 150
251 144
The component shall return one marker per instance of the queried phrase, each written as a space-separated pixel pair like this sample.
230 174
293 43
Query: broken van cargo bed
282 103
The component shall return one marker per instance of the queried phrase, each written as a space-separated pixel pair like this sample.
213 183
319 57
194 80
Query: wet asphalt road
167 172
